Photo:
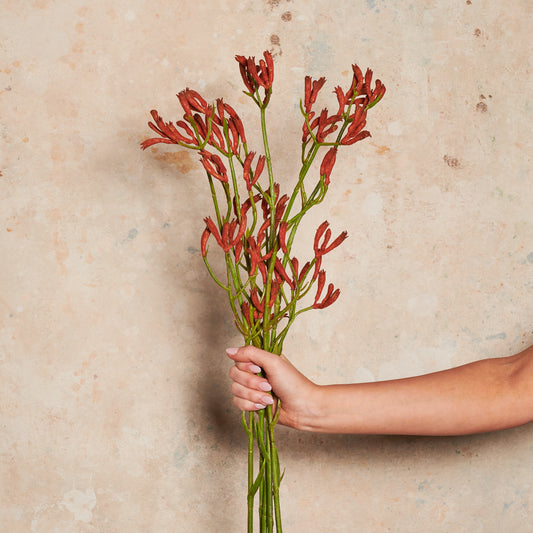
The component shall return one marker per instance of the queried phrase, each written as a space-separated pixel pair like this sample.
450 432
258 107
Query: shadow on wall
214 386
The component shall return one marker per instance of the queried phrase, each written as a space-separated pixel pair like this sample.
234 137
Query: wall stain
452 162
482 107
274 3
276 45
498 336
61 251
181 159
132 234
381 149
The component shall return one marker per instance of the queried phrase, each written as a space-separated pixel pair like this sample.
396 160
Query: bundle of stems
255 226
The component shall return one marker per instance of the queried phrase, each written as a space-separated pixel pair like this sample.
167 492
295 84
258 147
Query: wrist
311 414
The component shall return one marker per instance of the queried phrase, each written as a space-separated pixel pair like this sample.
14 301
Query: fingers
249 367
250 380
251 354
249 390
249 399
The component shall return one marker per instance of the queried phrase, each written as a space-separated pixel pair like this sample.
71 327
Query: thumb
251 354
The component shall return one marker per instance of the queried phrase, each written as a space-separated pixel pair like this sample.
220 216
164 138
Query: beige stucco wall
115 409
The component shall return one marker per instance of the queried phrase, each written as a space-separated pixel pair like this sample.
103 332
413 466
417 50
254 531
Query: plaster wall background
115 409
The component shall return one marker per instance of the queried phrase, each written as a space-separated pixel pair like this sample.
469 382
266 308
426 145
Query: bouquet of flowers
255 224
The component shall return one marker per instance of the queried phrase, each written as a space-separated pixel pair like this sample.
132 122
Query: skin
486 395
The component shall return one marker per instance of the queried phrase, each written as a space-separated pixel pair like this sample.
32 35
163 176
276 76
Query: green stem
251 494
303 172
274 466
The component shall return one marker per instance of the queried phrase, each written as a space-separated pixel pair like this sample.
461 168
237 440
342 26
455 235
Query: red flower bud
327 164
216 138
262 231
282 235
283 273
341 98
274 289
214 166
205 238
168 132
245 308
214 230
242 227
263 269
295 264
321 249
238 251
318 264
318 235
312 88
236 121
246 77
331 294
352 139
329 299
184 101
357 82
259 304
320 284
257 75
250 182
225 237
280 208
337 242
303 273
201 125
196 101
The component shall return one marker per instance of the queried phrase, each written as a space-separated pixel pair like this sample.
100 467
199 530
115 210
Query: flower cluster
254 224
256 234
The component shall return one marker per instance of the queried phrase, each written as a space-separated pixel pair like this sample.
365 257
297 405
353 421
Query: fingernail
268 400
255 369
259 406
232 351
265 386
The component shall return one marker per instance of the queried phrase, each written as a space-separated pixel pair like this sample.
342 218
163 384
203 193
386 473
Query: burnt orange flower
226 239
214 166
283 273
331 295
312 88
373 95
203 244
327 164
324 233
322 126
251 177
355 129
282 236
169 132
257 75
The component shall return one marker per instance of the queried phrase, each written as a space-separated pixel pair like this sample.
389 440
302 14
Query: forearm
483 396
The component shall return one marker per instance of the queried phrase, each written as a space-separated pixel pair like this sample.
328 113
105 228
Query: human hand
252 392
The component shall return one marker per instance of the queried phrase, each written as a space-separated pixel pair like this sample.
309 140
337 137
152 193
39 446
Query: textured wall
115 410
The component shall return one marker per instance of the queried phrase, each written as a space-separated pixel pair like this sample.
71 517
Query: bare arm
486 395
